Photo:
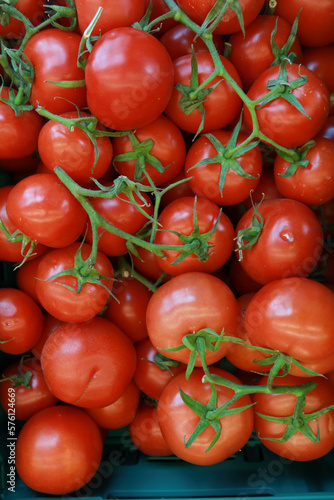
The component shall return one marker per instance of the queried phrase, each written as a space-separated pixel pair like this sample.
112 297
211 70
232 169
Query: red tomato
26 276
21 321
241 356
187 304
204 179
65 442
145 432
146 264
64 303
313 184
43 209
32 394
179 42
33 10
296 317
321 61
50 324
179 216
115 13
310 33
279 120
222 97
198 10
12 251
168 148
20 165
152 374
159 8
15 130
73 150
144 68
120 413
53 54
252 54
177 421
265 190
88 364
298 447
119 212
127 307
289 243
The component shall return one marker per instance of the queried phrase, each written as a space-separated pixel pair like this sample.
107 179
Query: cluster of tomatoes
169 215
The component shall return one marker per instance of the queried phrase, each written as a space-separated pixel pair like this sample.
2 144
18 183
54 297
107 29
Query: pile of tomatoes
168 217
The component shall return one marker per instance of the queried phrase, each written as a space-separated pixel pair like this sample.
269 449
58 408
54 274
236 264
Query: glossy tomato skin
314 184
115 13
120 413
290 242
32 9
23 130
204 179
179 41
12 251
169 148
279 120
282 315
222 97
145 432
58 442
119 212
145 70
30 398
188 303
149 377
53 54
127 308
179 216
320 60
310 33
43 208
88 364
198 11
252 54
177 421
298 447
73 151
21 321
63 303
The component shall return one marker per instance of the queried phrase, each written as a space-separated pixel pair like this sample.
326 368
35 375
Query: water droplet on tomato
287 236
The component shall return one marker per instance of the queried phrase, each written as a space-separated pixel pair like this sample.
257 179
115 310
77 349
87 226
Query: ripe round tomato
88 364
296 317
31 392
177 421
73 151
179 216
298 447
145 432
278 119
127 307
43 209
33 10
115 13
124 215
134 74
198 10
53 53
313 184
204 179
310 33
222 97
151 375
252 54
21 321
187 304
120 413
168 148
64 303
65 442
289 244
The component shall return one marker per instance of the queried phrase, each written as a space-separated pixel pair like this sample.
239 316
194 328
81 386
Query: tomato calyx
20 379
284 53
164 363
27 246
298 421
246 238
296 159
216 14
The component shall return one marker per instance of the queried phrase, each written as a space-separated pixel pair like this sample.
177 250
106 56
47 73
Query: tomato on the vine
33 10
